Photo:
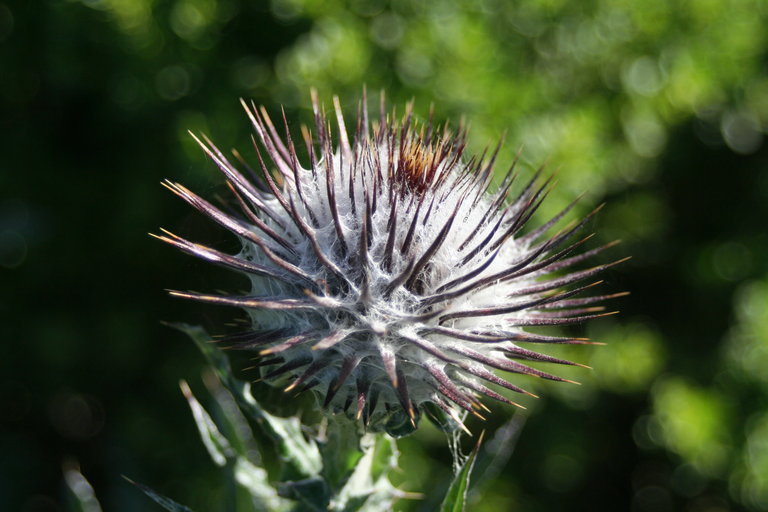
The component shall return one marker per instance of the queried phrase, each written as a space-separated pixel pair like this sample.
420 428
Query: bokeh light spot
287 10
13 249
742 132
687 481
645 132
732 261
747 340
128 92
631 361
414 67
76 416
561 472
6 22
250 72
652 498
387 30
643 76
190 19
694 423
172 83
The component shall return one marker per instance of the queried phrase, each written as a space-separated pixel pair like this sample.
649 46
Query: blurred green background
658 107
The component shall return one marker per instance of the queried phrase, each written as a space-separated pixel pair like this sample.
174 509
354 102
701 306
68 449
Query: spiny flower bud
386 276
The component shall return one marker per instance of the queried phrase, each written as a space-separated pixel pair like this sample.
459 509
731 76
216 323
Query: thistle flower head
385 274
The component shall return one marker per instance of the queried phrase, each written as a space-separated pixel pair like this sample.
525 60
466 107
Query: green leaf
217 445
301 457
368 487
340 451
166 503
383 457
80 495
254 479
312 494
230 419
456 497
400 424
381 499
248 484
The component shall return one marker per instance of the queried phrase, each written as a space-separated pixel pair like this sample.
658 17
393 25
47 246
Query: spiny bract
387 276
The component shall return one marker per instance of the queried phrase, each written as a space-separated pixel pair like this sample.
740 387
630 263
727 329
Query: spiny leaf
217 445
383 457
312 494
341 451
368 487
301 457
382 497
232 423
456 497
166 503
254 479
